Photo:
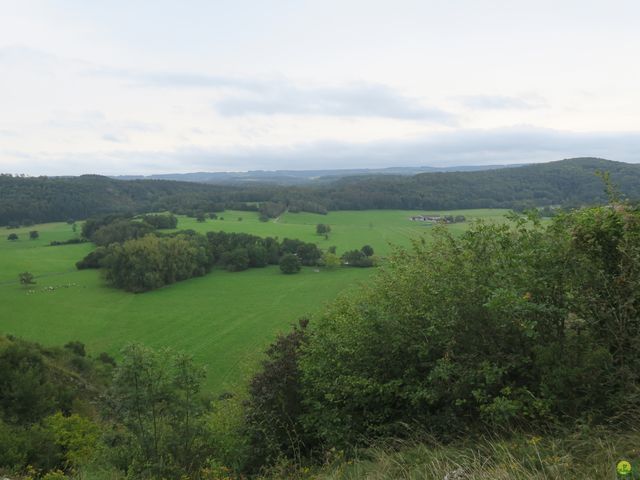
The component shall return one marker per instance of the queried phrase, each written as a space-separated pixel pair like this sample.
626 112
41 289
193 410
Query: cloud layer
254 96
465 147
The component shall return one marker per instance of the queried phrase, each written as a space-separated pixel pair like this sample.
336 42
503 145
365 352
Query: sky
148 87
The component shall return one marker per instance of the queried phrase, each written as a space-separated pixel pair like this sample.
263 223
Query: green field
349 229
224 319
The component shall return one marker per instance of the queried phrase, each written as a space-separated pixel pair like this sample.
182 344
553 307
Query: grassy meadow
224 319
349 229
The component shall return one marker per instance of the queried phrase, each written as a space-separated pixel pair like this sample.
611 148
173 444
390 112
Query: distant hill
300 177
571 182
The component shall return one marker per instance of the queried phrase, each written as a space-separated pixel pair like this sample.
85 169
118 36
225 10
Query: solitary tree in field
322 229
26 278
33 234
12 237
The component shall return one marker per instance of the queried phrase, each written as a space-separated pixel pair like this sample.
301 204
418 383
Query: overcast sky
142 87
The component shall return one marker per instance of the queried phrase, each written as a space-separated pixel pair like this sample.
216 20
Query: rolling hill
570 182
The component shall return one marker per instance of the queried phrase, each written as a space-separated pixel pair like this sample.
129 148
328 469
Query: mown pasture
224 319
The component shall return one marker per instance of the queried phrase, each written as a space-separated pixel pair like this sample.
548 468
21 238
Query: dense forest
571 183
526 326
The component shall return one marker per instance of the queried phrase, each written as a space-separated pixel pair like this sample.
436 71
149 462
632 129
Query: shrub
155 395
275 402
508 325
76 436
93 259
356 258
104 357
71 241
77 348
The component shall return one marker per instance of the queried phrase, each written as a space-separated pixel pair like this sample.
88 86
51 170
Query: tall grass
587 454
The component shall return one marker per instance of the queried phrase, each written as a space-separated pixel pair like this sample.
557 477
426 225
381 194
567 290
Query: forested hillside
570 182
47 199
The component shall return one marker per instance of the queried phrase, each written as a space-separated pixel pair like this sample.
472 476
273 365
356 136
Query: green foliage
161 221
120 231
275 405
290 263
140 265
104 357
367 250
40 402
258 256
323 229
236 260
152 262
77 348
508 325
228 435
330 260
93 259
357 258
71 241
155 395
271 209
576 453
26 278
93 224
12 236
33 235
308 253
28 394
76 436
55 475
